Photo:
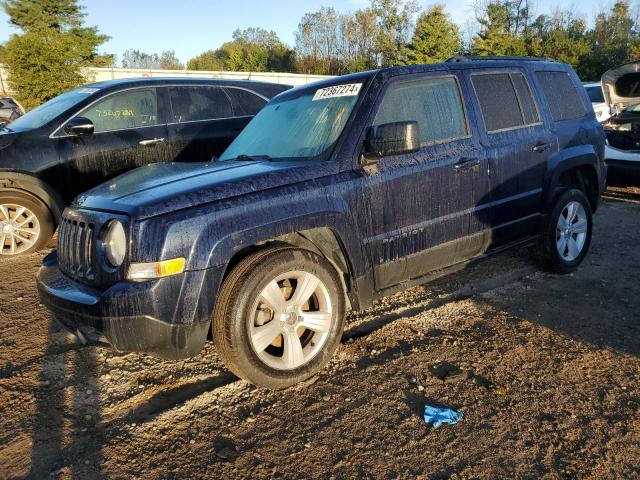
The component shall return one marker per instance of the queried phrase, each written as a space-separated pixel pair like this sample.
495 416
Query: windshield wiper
249 158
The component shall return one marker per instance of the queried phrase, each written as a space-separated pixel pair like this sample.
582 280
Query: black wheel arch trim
325 241
12 181
569 159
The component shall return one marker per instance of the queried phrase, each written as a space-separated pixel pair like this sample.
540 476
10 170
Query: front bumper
622 162
169 318
612 154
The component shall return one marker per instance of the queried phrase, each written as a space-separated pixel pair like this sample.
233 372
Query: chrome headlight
114 243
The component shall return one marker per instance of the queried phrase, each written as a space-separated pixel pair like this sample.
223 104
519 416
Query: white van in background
594 90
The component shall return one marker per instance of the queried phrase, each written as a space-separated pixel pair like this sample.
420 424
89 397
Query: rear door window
434 103
527 103
505 101
192 104
245 102
129 109
561 95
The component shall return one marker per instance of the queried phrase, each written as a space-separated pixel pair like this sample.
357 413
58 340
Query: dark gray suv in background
93 133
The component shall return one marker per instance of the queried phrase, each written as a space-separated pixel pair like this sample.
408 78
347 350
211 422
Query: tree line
45 58
396 32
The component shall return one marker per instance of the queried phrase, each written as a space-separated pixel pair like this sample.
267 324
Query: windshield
632 108
595 94
48 111
302 128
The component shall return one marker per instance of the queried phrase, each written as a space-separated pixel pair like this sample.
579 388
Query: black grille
75 248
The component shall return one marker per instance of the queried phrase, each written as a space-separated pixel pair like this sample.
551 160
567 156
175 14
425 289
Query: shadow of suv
93 133
335 194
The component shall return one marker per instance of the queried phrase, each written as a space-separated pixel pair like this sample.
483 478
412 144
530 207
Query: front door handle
466 164
148 142
541 147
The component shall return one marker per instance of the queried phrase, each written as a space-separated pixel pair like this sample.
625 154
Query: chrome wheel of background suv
19 229
571 231
291 321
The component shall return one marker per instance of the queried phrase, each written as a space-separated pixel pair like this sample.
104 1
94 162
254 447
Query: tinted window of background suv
435 103
505 100
189 104
245 103
561 95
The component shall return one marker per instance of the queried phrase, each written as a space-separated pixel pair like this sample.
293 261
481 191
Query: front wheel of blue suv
567 234
279 317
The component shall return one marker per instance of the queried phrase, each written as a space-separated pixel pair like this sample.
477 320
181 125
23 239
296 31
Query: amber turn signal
147 271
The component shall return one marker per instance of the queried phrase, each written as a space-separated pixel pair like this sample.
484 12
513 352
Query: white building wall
101 74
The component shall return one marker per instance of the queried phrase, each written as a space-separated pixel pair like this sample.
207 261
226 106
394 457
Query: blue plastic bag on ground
436 416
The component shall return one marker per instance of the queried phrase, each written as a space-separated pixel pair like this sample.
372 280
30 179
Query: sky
192 26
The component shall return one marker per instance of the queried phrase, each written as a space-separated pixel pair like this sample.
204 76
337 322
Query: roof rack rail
474 58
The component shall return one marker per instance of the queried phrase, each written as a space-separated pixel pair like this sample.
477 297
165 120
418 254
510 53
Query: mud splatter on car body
411 216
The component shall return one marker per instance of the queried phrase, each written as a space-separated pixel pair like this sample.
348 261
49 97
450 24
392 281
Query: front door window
129 109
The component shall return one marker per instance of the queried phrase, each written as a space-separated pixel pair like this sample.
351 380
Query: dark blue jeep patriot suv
335 194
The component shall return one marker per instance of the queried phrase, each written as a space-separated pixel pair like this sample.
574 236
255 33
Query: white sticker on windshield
89 91
345 90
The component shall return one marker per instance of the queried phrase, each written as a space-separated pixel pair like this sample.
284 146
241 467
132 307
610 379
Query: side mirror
79 127
392 139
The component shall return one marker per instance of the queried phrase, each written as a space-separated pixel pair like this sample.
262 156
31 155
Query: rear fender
568 159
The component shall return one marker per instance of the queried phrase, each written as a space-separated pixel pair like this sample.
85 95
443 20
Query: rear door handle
147 142
541 147
466 164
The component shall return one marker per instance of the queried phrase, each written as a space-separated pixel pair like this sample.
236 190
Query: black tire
551 257
41 212
235 314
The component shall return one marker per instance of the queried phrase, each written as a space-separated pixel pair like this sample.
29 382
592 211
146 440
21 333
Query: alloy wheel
19 229
571 231
291 320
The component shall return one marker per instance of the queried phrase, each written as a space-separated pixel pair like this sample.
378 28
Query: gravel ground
545 369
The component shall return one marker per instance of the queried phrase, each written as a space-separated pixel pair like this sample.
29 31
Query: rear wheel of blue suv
567 235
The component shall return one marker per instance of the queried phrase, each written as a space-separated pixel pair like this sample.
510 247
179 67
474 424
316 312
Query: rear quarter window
561 95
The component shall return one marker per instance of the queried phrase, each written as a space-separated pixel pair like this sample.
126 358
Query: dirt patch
545 370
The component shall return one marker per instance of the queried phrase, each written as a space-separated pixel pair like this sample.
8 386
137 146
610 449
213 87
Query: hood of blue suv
166 187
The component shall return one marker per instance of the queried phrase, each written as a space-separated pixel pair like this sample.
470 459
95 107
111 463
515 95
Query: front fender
271 221
210 236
